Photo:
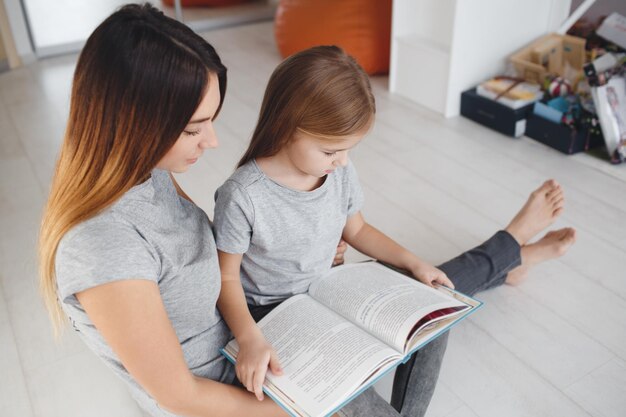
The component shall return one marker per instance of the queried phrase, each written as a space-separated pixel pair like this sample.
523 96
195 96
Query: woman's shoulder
158 187
101 249
106 224
106 237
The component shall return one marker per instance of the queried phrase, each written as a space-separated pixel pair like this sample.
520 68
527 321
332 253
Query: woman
131 261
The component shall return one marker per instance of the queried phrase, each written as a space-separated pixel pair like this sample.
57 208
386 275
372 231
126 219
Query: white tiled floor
14 399
554 346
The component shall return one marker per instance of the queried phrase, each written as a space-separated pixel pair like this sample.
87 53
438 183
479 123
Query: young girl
295 194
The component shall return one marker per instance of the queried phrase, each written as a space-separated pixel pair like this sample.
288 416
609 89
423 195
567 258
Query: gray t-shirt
150 233
288 237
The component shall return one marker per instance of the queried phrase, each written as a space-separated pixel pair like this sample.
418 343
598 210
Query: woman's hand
254 358
430 275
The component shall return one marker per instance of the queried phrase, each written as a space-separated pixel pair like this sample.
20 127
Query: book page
380 300
440 320
325 358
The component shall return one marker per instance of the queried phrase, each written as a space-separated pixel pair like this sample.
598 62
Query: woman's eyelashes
191 132
330 153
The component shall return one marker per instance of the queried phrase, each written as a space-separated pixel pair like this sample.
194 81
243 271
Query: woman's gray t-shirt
150 233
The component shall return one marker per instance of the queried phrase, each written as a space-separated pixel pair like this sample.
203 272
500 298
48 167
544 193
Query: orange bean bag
200 3
361 27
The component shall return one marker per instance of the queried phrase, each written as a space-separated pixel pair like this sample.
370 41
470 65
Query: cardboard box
548 55
494 115
560 136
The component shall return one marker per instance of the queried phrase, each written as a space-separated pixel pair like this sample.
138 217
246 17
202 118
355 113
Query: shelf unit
439 48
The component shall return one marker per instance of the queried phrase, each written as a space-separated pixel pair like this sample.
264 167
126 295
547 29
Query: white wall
17 21
602 8
443 47
481 46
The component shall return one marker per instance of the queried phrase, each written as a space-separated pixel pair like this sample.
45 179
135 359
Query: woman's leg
553 245
485 266
478 269
369 403
414 383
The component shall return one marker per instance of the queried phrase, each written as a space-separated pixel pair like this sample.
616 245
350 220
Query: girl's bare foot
553 245
542 208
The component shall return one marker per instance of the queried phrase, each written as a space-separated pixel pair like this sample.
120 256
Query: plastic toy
560 87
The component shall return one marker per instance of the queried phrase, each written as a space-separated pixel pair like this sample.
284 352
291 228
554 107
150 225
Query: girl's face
317 157
198 134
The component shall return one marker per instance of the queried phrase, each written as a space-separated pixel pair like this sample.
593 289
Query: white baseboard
28 58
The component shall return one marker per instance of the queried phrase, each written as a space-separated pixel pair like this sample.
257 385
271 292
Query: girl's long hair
321 91
138 81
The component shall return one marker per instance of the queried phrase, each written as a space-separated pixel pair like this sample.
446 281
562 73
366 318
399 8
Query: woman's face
198 134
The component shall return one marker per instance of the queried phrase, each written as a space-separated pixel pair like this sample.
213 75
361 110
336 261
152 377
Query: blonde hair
138 81
321 91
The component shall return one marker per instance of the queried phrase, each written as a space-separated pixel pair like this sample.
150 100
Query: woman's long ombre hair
321 91
138 81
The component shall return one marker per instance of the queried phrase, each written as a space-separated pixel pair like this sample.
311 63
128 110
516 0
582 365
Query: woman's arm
132 319
255 354
372 242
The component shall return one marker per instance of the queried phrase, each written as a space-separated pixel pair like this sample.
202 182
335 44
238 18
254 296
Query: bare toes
559 234
558 205
548 190
570 234
552 184
567 239
555 196
555 190
543 190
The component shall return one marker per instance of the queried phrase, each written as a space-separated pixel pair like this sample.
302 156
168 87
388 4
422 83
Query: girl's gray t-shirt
150 233
288 238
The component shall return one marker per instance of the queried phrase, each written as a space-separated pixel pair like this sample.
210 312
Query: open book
354 325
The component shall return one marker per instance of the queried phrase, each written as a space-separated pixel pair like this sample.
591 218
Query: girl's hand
255 356
431 276
341 250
